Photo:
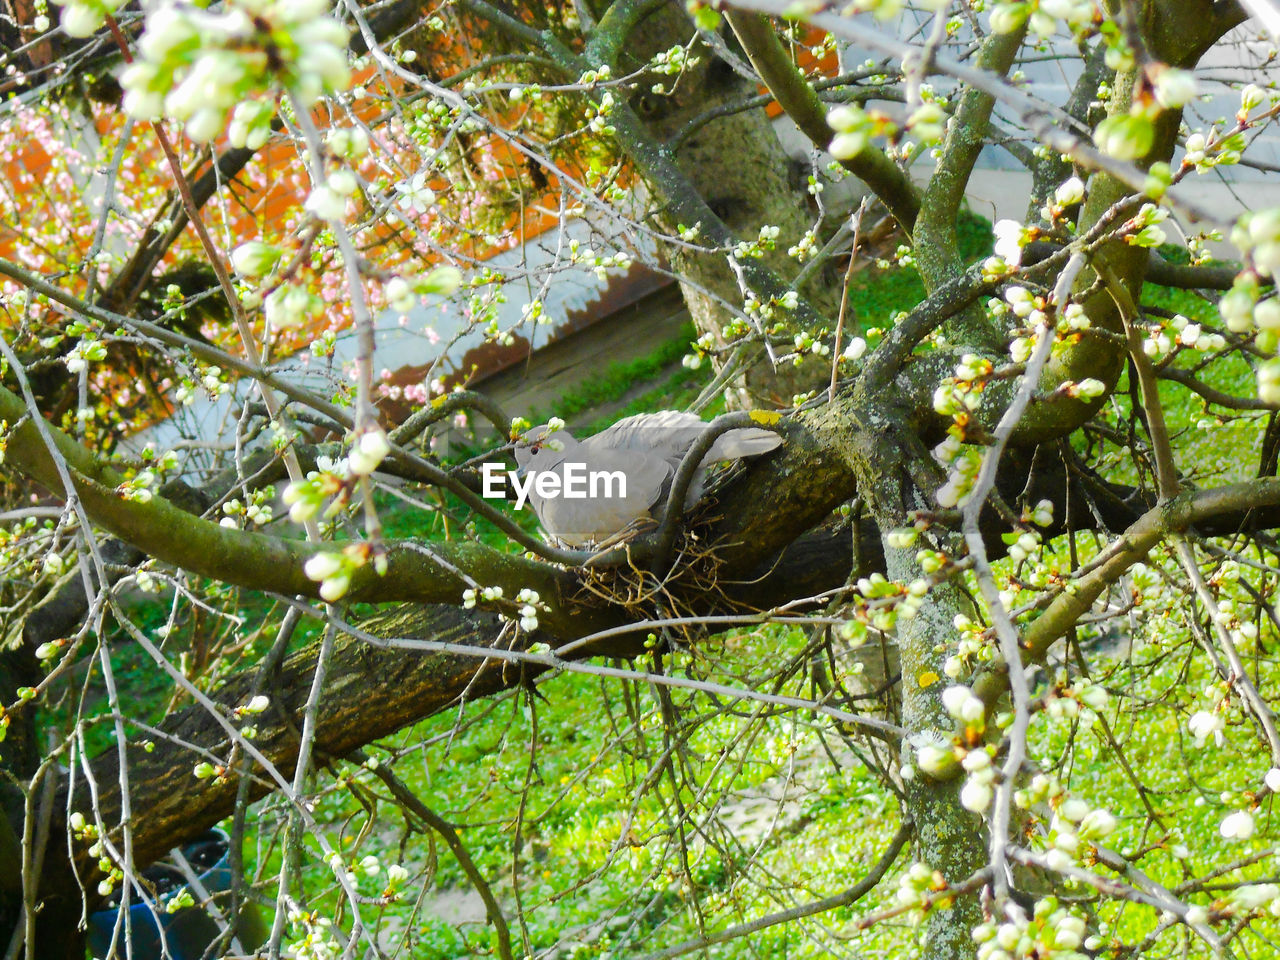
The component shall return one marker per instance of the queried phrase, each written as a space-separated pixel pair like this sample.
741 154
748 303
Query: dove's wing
618 488
668 434
743 442
645 449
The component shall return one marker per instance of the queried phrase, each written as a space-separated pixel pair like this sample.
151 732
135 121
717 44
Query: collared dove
647 449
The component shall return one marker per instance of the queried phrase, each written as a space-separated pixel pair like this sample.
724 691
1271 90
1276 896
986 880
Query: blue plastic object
187 932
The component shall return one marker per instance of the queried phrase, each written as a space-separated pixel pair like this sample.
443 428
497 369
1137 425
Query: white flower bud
1073 809
326 203
343 182
328 63
1058 860
254 259
1266 315
845 118
1068 932
81 21
1070 192
399 294
948 495
368 451
846 146
975 795
350 144
1097 824
935 759
335 588
1251 97
1006 18
1091 387
1236 307
1237 826
1175 87
321 566
168 30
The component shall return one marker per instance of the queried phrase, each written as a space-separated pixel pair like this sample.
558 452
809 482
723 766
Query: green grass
618 379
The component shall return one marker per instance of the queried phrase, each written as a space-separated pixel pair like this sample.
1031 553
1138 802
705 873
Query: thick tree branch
937 244
435 574
370 692
800 101
1233 502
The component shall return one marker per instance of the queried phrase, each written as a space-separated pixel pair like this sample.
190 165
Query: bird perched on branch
644 450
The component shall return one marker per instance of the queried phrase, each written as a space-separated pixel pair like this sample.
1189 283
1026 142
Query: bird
646 449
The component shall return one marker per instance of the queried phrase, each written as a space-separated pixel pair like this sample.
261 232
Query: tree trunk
738 165
949 838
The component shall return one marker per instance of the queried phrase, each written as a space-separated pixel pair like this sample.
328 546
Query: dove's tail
743 442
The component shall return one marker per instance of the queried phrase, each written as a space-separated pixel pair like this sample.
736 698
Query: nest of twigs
688 583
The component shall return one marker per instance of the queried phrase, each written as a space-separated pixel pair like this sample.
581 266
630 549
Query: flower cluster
257 512
84 830
1074 827
316 939
1143 229
1163 337
334 570
854 128
919 884
88 350
1041 17
755 249
599 263
673 61
194 65
529 604
138 488
1051 931
971 649
702 348
469 596
306 498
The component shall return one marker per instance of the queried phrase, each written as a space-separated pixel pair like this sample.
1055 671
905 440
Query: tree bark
738 166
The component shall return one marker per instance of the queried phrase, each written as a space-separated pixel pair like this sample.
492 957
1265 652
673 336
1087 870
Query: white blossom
369 450
1204 725
415 195
1237 826
1069 192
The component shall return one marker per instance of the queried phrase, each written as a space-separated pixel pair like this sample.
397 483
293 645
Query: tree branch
800 101
438 573
1174 516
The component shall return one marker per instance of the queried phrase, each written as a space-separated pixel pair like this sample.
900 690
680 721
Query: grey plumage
648 449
